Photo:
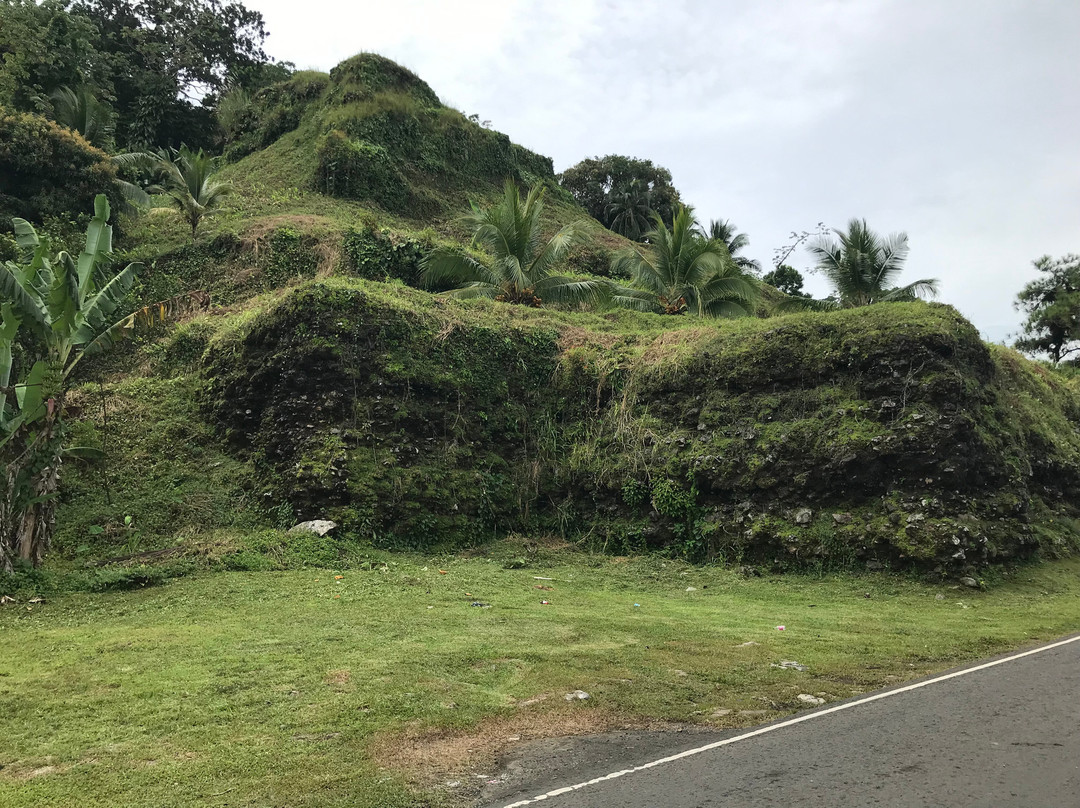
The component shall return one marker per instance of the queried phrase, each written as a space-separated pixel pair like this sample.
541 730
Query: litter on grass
577 695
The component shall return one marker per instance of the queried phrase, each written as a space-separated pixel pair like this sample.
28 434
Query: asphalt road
1008 735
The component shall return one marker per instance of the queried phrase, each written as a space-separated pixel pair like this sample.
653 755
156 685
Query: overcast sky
957 121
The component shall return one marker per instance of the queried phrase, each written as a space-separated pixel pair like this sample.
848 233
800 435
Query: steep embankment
890 435
324 385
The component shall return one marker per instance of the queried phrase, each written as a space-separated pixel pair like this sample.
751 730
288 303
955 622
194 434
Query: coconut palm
723 230
80 110
683 271
863 266
186 177
519 263
629 208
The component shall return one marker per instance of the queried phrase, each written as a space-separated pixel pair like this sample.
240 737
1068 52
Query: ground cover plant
365 683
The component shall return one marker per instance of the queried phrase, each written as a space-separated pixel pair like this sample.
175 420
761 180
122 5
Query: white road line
798 720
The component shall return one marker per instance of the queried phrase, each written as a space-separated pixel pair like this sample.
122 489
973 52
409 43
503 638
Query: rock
970 582
842 518
790 664
721 713
577 695
803 516
320 527
806 698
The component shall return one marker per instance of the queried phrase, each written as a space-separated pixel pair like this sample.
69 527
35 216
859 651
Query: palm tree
629 208
187 179
80 110
723 230
520 263
684 271
862 266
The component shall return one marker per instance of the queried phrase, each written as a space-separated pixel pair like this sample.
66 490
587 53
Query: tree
521 262
787 279
80 111
594 181
65 307
1052 305
863 266
723 230
683 271
629 209
187 179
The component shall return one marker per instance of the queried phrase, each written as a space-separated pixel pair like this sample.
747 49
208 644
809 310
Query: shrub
381 254
49 170
359 170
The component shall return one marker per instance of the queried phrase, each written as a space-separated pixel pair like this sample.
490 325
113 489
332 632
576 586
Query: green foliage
724 231
1051 304
254 121
79 110
380 254
359 170
520 268
615 186
187 180
48 170
787 279
863 266
684 271
368 74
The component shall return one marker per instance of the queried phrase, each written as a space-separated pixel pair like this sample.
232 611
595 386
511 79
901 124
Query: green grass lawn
304 689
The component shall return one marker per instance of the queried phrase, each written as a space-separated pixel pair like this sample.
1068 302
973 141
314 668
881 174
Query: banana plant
66 305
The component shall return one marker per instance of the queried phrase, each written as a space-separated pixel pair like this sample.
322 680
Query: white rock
576 695
806 698
320 527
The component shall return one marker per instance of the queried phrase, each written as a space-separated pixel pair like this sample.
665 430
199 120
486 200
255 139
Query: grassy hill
324 385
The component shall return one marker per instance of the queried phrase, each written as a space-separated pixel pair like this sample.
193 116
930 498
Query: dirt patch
433 757
338 678
22 770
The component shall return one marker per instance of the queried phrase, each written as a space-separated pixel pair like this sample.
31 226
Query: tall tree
723 230
520 263
1052 305
863 267
592 183
683 271
787 279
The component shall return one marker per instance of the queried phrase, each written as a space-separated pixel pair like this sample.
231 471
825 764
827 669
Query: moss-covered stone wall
889 436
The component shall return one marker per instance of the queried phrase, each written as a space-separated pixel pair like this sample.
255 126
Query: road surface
1003 735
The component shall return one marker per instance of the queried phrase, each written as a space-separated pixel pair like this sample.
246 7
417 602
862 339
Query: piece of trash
545 603
577 695
6 599
939 596
481 605
453 783
442 572
468 594
513 737
546 588
337 596
431 607
806 698
691 589
781 628
637 604
36 599
338 577
542 578
790 664
748 644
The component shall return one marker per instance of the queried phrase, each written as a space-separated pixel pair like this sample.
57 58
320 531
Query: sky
955 121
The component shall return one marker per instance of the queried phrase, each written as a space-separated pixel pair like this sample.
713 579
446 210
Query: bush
359 170
380 255
49 170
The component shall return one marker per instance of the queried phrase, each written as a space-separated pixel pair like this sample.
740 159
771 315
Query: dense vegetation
332 383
